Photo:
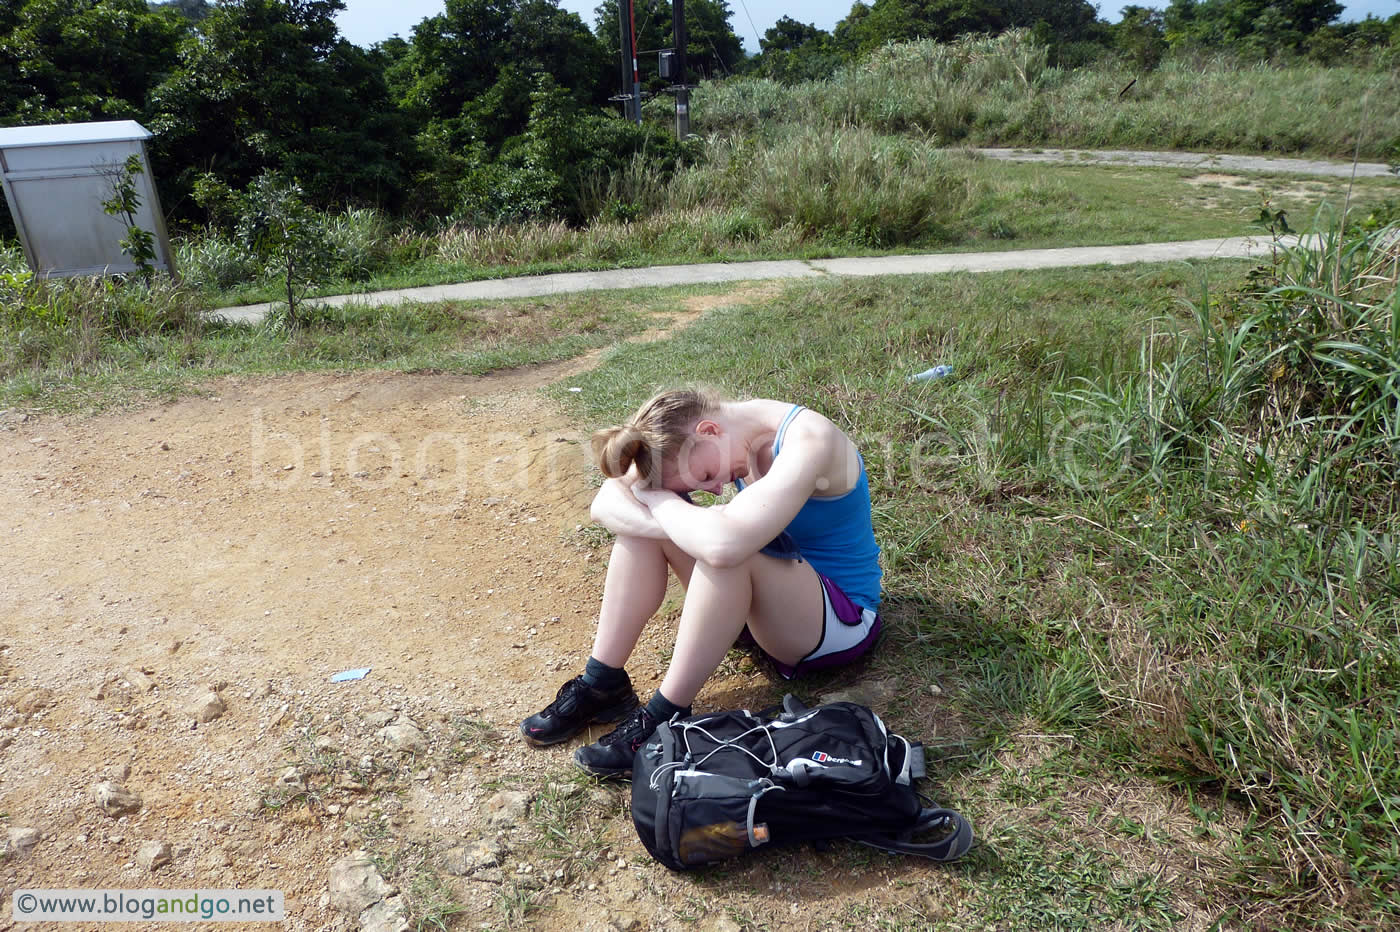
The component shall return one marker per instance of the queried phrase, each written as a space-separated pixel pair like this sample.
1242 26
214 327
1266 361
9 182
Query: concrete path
1204 161
719 272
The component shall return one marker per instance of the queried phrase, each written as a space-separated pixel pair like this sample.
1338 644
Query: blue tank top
835 534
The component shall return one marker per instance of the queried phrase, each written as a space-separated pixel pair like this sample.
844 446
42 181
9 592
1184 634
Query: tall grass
999 91
1270 436
64 329
851 186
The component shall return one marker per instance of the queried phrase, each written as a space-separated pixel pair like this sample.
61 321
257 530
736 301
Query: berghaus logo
822 757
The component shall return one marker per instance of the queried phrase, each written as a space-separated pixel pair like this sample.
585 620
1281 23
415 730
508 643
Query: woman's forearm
615 508
702 532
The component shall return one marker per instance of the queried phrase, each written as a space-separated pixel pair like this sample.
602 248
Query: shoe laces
633 731
567 698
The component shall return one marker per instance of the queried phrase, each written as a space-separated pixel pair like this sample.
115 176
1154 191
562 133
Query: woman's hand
618 509
649 498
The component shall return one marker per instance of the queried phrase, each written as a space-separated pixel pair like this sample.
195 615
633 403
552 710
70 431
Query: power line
756 34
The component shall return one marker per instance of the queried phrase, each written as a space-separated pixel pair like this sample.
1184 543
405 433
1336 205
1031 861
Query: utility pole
631 96
682 91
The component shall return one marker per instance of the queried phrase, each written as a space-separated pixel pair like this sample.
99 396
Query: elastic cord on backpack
760 836
772 766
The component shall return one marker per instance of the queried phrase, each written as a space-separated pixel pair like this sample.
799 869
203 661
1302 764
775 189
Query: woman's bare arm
618 510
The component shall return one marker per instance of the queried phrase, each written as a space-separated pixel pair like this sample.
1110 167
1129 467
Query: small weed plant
139 244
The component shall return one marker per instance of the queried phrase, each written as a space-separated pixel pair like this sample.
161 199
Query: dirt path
1335 168
258 539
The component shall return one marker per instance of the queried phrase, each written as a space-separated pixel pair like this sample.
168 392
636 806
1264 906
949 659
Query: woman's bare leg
780 600
632 592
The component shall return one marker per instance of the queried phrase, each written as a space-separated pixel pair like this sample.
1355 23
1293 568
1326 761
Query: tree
270 85
66 61
793 52
1064 20
1251 26
470 69
191 10
1139 38
287 236
885 21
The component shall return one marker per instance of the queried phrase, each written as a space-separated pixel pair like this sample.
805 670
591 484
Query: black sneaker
611 755
577 706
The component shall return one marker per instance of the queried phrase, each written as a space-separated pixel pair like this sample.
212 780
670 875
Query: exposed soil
257 539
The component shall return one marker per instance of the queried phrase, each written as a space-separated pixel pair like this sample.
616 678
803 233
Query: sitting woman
792 556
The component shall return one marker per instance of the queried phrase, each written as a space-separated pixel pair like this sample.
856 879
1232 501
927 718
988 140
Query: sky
365 22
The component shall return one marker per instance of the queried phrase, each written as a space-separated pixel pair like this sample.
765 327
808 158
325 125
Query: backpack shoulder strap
949 848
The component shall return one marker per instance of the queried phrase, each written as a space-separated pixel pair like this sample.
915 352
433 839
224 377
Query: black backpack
710 787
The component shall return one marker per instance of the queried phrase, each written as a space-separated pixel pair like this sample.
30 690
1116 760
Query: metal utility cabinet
56 178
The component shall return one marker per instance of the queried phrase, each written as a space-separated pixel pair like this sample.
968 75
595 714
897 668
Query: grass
1144 542
746 203
1000 91
80 358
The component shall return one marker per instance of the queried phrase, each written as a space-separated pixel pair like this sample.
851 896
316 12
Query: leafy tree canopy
1249 25
793 52
472 65
868 27
192 10
66 61
270 85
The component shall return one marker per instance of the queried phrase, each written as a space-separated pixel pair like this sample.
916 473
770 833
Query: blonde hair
655 433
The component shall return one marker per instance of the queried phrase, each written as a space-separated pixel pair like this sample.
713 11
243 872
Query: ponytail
657 431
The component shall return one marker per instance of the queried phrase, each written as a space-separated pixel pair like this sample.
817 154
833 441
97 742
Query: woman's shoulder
811 425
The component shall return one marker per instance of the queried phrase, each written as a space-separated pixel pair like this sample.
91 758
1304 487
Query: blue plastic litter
345 675
928 375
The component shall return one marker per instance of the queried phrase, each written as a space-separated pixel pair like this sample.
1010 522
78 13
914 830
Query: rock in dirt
138 680
153 854
388 915
207 707
115 799
378 719
491 875
292 779
720 924
624 922
32 701
404 736
20 841
507 808
356 885
477 856
343 781
217 859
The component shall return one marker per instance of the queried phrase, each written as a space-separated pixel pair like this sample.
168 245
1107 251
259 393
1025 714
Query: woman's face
707 462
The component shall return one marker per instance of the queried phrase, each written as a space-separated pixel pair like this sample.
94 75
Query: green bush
569 163
360 243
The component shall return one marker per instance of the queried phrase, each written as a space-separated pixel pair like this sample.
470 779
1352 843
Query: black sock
601 676
661 708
